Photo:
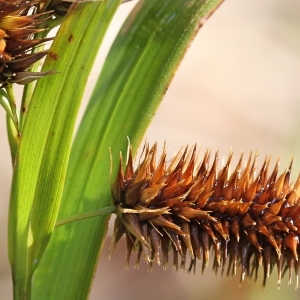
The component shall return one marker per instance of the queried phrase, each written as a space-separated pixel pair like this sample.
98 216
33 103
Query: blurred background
238 88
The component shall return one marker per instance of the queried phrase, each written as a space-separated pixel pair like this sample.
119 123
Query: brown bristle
183 207
19 23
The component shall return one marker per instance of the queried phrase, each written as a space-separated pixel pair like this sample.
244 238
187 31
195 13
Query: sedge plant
59 178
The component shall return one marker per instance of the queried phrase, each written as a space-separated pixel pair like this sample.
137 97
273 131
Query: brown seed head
188 207
18 23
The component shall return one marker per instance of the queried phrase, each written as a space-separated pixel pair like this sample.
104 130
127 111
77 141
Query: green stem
25 293
12 103
13 137
13 132
100 212
5 104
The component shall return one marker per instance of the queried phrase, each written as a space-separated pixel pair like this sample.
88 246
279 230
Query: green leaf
136 74
41 162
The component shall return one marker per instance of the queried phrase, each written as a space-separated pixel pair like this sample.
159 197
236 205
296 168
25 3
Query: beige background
237 88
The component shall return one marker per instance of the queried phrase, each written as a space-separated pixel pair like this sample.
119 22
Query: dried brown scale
182 207
18 23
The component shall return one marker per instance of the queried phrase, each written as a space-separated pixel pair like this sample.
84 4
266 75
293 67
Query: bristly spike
129 166
188 169
119 230
20 22
189 209
119 184
204 164
262 175
287 180
155 242
158 173
292 242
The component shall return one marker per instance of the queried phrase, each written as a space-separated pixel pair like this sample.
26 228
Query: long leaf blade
41 162
140 66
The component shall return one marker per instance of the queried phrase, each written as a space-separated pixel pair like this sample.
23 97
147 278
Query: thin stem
13 137
13 131
100 212
12 103
4 103
22 290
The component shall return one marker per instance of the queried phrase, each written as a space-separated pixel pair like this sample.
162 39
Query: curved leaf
41 162
138 70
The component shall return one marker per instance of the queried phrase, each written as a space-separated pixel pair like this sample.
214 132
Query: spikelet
248 221
18 23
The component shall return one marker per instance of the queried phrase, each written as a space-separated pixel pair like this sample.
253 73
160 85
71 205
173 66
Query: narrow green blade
41 162
138 70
